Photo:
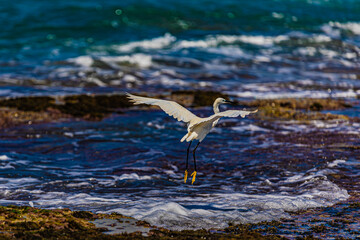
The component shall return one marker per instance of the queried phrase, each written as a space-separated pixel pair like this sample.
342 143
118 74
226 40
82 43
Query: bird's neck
216 108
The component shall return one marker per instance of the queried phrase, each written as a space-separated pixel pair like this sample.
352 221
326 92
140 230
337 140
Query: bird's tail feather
189 136
184 137
192 136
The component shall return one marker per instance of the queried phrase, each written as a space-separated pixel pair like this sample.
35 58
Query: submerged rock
22 110
309 104
85 106
298 109
23 222
10 117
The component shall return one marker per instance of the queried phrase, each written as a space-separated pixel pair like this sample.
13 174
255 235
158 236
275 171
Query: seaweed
18 222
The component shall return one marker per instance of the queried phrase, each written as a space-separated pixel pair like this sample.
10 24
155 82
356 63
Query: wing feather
172 108
228 113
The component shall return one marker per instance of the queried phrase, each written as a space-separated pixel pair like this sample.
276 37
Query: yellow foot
194 176
185 176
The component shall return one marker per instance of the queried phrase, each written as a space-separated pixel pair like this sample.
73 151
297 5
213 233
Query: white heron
197 127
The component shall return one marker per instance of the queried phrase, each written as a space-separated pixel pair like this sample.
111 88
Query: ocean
133 163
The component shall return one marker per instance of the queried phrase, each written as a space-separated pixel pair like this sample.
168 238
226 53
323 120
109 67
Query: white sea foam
216 210
214 41
336 163
229 51
354 27
132 176
155 43
4 158
85 61
318 38
9 183
167 81
139 59
296 94
250 127
7 166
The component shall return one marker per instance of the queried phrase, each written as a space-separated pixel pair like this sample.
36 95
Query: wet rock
298 109
285 113
86 106
93 106
96 107
19 222
309 104
35 104
13 117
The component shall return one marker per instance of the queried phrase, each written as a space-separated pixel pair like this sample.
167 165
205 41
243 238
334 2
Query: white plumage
198 127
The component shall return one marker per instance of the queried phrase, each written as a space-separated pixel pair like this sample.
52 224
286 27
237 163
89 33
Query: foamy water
249 66
116 166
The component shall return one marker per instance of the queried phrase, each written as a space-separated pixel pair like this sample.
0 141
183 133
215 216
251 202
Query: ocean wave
171 42
334 28
250 128
296 94
214 41
140 60
155 43
217 210
4 158
132 176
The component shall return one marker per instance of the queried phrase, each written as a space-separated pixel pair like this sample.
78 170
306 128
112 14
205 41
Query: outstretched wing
170 107
228 113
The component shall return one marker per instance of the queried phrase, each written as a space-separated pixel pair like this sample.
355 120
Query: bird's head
219 101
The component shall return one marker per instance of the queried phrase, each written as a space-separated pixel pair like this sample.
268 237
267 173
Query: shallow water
133 163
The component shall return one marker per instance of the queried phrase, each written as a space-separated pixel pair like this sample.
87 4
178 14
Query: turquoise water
36 35
62 47
39 30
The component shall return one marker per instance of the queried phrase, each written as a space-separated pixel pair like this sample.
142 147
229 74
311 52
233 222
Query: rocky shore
39 109
24 222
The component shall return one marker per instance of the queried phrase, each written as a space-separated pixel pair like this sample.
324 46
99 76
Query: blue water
205 44
133 163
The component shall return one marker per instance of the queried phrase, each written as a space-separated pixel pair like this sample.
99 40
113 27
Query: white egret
197 127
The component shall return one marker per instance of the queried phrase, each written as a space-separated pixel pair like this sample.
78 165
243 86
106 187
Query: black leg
194 156
187 156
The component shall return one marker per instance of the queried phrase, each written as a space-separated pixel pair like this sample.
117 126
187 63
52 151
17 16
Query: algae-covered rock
26 222
285 113
13 117
34 104
88 106
95 107
309 104
305 109
23 222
